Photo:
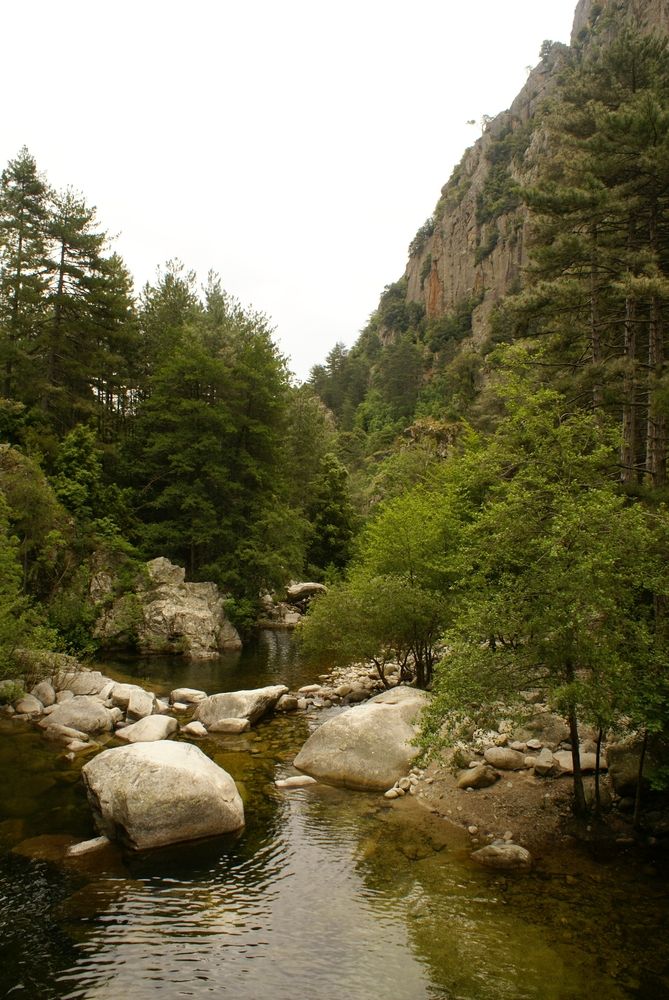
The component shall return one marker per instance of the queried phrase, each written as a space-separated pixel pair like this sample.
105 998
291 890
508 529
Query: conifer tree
23 253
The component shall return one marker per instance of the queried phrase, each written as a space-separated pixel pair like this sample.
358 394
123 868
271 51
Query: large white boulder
149 729
134 700
251 705
82 681
368 747
84 713
151 794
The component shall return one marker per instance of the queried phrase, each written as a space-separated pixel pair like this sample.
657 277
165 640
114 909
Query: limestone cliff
474 248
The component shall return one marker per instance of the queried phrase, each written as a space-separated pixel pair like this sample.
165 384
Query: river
326 894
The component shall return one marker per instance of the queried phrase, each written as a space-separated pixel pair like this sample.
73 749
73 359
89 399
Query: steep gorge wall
470 256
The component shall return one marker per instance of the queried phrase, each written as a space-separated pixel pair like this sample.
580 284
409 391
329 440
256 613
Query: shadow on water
325 894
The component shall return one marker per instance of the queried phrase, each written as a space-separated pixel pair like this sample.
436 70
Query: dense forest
133 427
499 498
515 486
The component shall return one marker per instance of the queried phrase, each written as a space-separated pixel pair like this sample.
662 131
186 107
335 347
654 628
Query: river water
326 894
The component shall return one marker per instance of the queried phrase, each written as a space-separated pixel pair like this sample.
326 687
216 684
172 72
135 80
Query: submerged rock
295 781
151 794
505 856
230 726
368 747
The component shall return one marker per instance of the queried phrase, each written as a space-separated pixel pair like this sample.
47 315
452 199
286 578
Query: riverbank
526 795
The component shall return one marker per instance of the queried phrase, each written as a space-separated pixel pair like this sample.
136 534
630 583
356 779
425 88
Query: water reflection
270 657
325 894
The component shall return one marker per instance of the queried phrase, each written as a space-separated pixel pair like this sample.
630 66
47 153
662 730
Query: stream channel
326 895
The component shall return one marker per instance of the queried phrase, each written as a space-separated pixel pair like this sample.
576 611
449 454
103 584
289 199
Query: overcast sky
293 146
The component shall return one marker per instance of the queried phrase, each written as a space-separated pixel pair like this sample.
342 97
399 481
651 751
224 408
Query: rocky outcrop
151 794
288 613
471 254
604 17
249 705
167 615
368 747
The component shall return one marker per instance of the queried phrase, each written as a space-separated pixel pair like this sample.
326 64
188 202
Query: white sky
294 146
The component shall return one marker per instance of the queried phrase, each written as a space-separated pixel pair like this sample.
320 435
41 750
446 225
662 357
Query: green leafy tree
19 623
555 581
377 619
396 594
207 450
331 517
598 287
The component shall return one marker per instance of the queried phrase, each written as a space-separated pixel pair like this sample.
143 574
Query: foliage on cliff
553 477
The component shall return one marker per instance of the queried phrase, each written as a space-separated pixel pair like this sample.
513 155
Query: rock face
168 615
151 794
466 257
250 705
368 747
646 15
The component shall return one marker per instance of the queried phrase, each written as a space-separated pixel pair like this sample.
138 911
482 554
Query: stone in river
83 713
230 726
251 705
152 794
366 748
503 856
190 696
149 729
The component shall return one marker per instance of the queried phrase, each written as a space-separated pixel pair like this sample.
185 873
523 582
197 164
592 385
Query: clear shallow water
326 893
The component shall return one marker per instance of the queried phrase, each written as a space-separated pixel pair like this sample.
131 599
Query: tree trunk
656 451
598 756
639 779
656 435
595 335
580 805
629 427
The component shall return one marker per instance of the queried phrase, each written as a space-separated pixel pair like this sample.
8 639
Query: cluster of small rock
406 785
343 686
83 709
547 754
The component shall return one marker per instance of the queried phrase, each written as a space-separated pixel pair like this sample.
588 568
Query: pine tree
23 253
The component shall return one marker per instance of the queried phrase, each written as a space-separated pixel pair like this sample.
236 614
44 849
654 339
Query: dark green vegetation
502 496
520 519
134 428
